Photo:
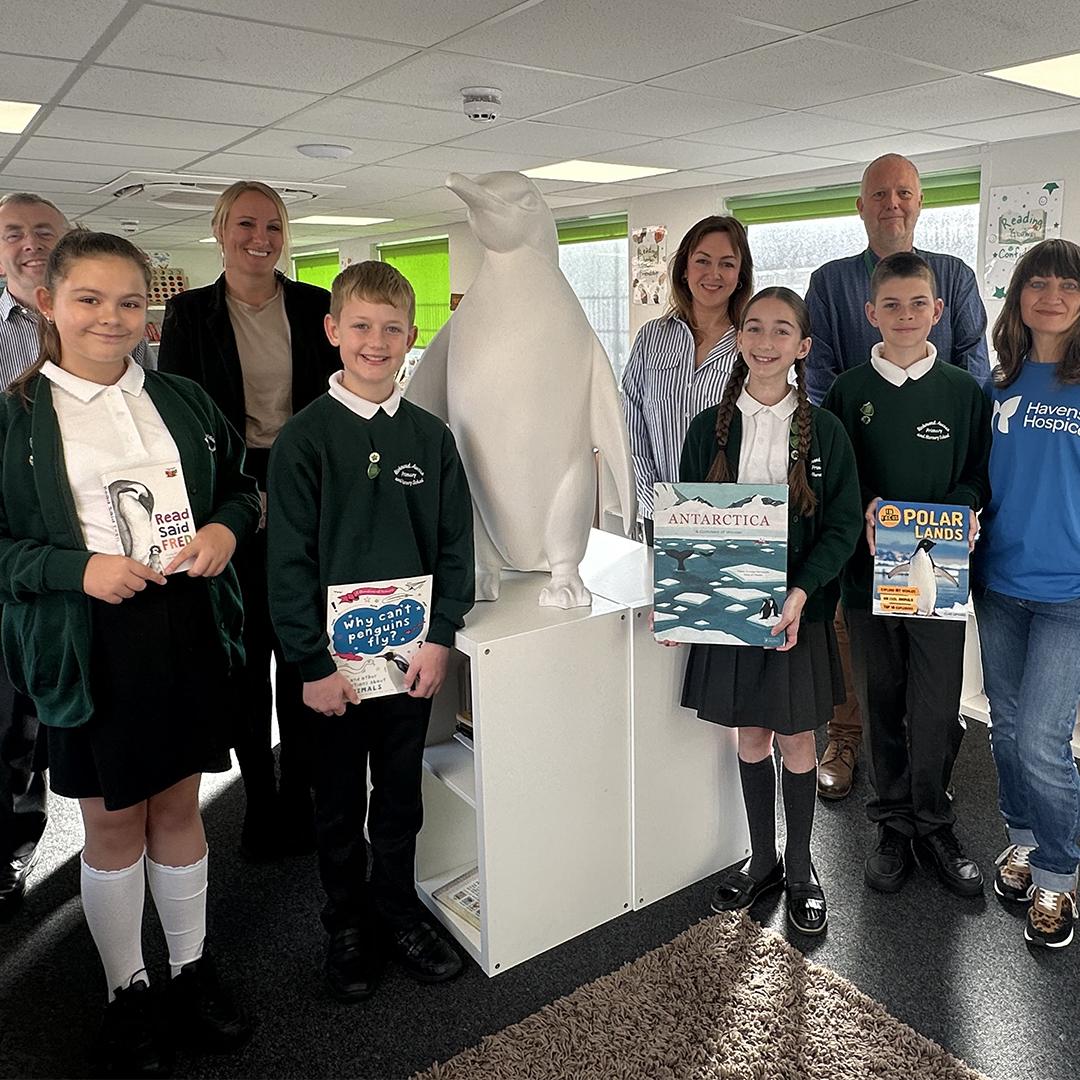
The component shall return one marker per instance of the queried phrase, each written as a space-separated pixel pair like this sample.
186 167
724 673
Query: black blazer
198 341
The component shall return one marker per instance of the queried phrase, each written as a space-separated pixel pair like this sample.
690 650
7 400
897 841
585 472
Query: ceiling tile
381 120
958 100
377 183
91 125
447 159
53 187
970 35
434 200
650 110
92 175
791 132
908 143
29 78
104 153
236 50
806 14
7 143
676 154
610 38
413 21
434 80
277 142
1018 127
149 94
260 167
806 71
616 191
777 165
49 28
554 140
689 178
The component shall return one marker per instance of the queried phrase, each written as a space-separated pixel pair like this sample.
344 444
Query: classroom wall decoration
1018 216
648 261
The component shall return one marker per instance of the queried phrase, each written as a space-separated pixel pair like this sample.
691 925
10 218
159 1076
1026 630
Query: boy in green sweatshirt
921 433
366 486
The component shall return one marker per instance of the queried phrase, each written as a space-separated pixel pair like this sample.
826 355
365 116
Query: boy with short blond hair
365 486
921 433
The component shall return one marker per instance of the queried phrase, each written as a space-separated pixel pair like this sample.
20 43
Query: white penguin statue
923 573
526 387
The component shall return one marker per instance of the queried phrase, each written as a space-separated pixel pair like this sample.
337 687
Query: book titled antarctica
375 630
150 511
921 562
719 562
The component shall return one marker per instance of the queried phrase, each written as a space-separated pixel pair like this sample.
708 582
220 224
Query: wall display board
648 265
1018 217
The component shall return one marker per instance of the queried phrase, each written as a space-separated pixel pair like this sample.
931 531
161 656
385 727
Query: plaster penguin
923 573
528 391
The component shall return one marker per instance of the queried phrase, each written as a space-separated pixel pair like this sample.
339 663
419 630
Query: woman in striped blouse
680 363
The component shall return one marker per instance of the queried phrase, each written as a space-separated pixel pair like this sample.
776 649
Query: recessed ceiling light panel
594 172
335 219
15 115
1060 75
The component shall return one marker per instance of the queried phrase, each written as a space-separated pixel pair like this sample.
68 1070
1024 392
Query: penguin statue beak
471 193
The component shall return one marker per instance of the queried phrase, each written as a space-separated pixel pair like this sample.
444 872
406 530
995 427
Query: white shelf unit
541 805
688 818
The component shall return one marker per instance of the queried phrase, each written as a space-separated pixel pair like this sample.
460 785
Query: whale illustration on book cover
719 562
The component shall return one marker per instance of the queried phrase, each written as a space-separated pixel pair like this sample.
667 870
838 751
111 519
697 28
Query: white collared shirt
766 439
898 375
361 406
103 427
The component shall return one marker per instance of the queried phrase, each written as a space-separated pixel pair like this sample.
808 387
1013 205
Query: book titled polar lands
719 562
150 511
921 560
375 630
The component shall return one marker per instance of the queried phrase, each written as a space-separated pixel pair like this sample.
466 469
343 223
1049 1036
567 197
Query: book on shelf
921 562
376 629
464 737
150 511
719 563
462 896
464 680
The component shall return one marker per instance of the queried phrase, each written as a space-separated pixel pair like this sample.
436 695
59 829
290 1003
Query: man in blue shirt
889 205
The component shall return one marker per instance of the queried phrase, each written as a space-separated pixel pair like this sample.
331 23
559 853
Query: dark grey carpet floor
955 970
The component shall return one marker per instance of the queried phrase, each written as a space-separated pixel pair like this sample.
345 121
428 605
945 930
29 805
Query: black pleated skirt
786 692
158 684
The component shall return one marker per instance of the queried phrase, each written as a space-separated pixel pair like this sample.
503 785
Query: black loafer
424 955
13 874
806 909
941 852
889 865
353 965
131 1042
738 889
204 1017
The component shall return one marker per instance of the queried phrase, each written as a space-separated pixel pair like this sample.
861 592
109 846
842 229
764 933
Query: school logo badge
867 411
409 474
933 431
1004 412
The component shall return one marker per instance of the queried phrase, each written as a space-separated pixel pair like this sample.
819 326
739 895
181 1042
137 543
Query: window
320 269
426 263
792 234
594 254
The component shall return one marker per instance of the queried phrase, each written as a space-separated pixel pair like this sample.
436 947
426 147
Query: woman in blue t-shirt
1028 587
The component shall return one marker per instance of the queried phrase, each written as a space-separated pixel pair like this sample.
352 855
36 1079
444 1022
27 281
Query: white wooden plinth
688 815
542 803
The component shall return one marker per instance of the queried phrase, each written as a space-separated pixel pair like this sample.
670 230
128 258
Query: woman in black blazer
254 340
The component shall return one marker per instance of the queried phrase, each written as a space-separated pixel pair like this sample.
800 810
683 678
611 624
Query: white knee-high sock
113 905
179 894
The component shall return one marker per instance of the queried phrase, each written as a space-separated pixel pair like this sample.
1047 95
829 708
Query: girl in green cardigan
113 483
766 431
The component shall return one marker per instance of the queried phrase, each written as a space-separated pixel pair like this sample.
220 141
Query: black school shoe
806 908
203 1015
424 955
889 865
738 890
130 1043
940 851
13 874
353 965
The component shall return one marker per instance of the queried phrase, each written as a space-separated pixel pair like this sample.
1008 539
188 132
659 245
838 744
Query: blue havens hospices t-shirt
1030 544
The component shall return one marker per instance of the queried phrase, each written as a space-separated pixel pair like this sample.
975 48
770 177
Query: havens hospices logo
1004 412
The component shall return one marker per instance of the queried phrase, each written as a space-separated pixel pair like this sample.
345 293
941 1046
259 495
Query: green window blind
317 269
941 189
426 263
586 230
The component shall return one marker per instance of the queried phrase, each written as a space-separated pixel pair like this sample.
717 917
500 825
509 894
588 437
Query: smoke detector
129 227
482 104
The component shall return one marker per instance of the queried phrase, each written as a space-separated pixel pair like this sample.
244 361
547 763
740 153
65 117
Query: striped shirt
663 392
19 340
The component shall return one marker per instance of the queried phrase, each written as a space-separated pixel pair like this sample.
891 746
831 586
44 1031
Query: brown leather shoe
837 769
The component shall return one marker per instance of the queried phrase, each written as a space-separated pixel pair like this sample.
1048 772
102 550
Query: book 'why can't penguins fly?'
375 630
720 563
150 512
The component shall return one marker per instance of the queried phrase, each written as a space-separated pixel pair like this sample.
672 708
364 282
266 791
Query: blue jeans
1032 678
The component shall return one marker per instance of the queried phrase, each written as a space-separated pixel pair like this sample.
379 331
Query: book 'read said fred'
376 629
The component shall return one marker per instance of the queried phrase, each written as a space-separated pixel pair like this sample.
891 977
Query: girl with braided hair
765 431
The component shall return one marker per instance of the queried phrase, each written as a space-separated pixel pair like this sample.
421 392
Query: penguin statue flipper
427 387
609 435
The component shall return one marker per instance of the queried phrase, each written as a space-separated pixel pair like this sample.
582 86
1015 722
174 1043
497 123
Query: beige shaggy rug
726 1000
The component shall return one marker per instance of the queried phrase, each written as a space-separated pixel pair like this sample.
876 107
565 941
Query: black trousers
389 734
254 697
22 771
908 678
